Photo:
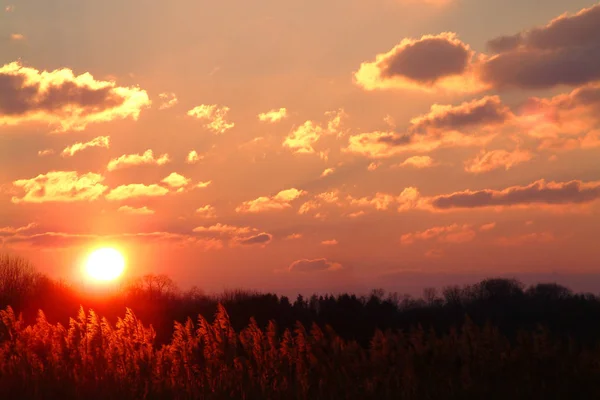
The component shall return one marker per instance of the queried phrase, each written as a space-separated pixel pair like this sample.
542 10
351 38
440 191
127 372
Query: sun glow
105 264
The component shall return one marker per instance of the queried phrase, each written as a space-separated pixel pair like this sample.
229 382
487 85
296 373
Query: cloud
294 236
136 211
539 192
207 211
473 123
60 186
331 242
418 162
321 264
431 63
487 227
100 141
193 157
280 201
63 100
356 214
224 229
487 161
479 113
303 138
135 190
130 160
9 230
319 201
381 201
446 234
566 121
45 152
17 36
566 51
168 100
327 172
373 166
261 239
203 185
215 115
273 115
68 240
527 239
176 180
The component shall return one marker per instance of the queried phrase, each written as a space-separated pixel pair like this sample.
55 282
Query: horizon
318 147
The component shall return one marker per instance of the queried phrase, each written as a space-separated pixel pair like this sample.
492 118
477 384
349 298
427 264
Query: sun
105 264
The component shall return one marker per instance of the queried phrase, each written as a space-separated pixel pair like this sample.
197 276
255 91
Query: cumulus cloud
136 211
486 112
446 234
327 172
433 62
100 141
207 211
566 51
273 115
418 162
224 229
487 161
320 200
321 264
168 100
63 100
176 180
373 166
214 115
566 121
539 192
193 157
60 186
260 239
294 236
280 201
135 190
304 137
130 160
473 123
381 201
203 185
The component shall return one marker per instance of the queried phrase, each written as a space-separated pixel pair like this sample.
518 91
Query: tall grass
94 359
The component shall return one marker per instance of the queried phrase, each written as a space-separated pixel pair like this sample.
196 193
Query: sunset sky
304 145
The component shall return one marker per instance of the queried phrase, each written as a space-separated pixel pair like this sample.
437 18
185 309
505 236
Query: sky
312 146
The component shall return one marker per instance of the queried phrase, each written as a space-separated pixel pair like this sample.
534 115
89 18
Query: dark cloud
321 264
477 113
261 238
431 63
428 59
539 192
61 98
564 52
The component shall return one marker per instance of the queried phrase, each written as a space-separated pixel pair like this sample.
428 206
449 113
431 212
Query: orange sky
317 145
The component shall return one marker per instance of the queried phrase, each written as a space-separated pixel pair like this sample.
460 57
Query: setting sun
105 264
